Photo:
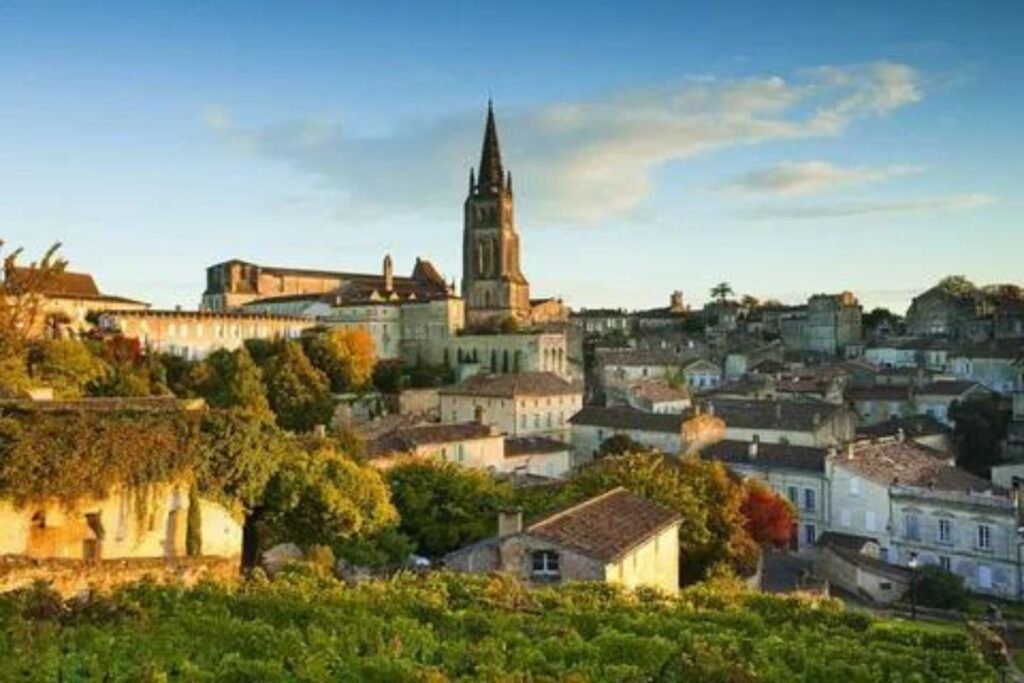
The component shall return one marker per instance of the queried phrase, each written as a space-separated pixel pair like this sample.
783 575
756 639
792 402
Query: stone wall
78 577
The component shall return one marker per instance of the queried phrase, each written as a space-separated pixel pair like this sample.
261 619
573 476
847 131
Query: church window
479 257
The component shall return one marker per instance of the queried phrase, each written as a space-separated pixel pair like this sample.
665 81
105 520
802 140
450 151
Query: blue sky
787 148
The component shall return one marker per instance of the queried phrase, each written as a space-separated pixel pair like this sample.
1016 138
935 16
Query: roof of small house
913 425
513 385
879 392
659 392
63 285
909 464
795 416
768 456
607 526
408 438
624 417
533 445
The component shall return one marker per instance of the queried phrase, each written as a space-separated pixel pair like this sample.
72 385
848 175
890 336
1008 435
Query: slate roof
948 387
533 445
914 425
639 357
909 464
781 415
513 385
624 417
769 455
879 392
607 526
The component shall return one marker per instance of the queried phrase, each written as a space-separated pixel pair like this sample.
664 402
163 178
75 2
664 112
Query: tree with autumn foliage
346 356
769 516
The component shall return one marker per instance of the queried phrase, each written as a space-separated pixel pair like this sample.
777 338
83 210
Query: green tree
878 317
321 497
956 284
980 426
722 291
444 506
936 587
232 380
23 300
66 365
297 391
620 444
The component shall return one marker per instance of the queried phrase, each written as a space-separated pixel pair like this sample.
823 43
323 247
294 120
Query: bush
935 587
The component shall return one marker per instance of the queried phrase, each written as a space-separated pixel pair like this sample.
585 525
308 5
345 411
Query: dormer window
544 565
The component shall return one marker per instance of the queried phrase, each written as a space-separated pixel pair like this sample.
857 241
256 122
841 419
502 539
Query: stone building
527 351
942 312
472 444
616 537
520 404
669 433
784 422
826 325
196 334
64 308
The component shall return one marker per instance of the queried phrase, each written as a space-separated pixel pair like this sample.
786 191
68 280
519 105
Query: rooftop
533 445
768 455
607 526
950 387
781 415
513 385
405 439
912 426
639 357
659 392
908 464
63 285
623 417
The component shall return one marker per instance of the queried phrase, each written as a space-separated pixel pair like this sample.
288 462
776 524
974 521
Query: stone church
493 285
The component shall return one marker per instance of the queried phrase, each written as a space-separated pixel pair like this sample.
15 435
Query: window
544 565
522 422
810 500
984 576
810 534
793 493
844 518
870 521
536 421
984 537
855 486
945 531
911 527
945 563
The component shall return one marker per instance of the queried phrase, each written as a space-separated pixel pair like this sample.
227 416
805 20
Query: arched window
494 361
504 361
479 257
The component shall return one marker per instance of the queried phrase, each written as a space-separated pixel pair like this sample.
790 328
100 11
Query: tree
444 506
65 365
240 453
956 284
321 497
722 291
297 391
769 517
878 317
708 499
980 426
620 444
23 298
232 380
936 587
346 356
750 301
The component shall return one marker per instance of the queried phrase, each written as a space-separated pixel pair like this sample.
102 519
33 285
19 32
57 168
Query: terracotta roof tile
513 385
623 417
769 455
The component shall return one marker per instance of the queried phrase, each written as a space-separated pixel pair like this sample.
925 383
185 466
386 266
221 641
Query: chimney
389 274
479 415
510 522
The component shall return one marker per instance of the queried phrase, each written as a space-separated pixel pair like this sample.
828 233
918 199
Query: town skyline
862 165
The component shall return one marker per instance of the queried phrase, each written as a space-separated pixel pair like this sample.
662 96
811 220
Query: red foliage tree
769 517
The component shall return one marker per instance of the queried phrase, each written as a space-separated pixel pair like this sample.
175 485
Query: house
935 399
923 430
472 444
852 564
792 422
670 433
997 364
826 325
526 351
519 404
66 302
796 472
920 507
616 537
603 321
880 403
621 367
655 396
944 312
701 374
537 456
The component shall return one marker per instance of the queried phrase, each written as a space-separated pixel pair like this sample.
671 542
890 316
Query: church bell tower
493 286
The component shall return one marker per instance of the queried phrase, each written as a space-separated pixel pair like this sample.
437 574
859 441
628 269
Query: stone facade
826 325
474 354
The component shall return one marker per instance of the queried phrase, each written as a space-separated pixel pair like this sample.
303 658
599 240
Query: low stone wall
79 577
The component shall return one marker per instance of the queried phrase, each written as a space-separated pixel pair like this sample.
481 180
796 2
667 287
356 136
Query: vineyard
306 626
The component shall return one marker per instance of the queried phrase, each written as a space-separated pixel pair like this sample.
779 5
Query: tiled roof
202 314
65 285
878 393
605 527
909 464
769 455
405 439
658 392
533 445
949 387
783 415
622 417
512 385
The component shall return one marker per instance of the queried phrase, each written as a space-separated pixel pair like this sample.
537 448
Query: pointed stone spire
472 180
492 178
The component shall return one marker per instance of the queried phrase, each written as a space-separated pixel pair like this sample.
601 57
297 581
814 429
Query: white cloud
851 209
576 162
810 177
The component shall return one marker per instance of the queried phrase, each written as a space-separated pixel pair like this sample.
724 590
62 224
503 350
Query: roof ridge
578 506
